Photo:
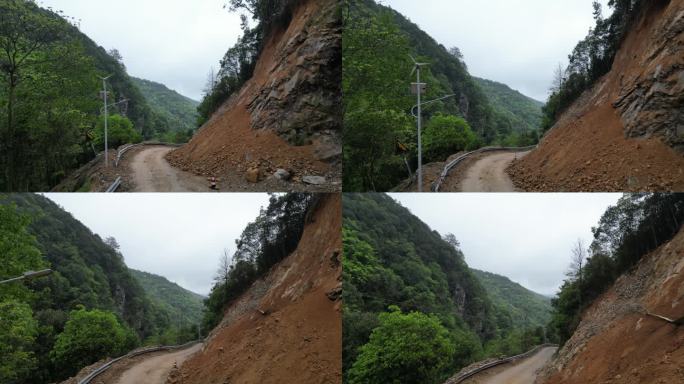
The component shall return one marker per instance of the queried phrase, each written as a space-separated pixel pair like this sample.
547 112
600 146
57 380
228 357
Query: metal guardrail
461 377
112 188
105 367
449 167
122 150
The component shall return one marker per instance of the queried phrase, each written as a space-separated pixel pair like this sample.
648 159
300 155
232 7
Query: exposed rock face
287 116
302 100
651 103
626 133
616 337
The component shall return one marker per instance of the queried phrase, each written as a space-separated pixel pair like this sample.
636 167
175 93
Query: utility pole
419 88
106 144
28 276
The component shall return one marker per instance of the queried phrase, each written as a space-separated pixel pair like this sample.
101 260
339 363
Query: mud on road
521 372
489 174
152 173
155 369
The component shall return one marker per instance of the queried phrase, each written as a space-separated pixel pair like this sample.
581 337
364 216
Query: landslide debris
288 115
287 327
616 341
627 132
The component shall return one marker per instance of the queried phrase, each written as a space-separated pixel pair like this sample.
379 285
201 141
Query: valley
269 118
403 278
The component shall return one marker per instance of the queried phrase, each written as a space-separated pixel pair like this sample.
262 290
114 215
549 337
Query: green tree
18 249
404 348
88 337
120 131
446 135
18 331
25 35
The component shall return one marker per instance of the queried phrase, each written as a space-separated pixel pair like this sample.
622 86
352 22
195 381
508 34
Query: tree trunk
9 149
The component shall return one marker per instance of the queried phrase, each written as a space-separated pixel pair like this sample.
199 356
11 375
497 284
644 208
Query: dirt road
152 173
156 369
523 372
489 174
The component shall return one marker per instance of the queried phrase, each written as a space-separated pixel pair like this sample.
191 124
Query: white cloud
516 42
178 236
174 42
524 236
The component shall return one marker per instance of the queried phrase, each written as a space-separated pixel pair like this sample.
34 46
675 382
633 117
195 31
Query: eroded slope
287 327
627 132
616 341
288 116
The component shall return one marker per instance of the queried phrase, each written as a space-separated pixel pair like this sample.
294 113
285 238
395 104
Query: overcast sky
178 236
524 236
173 42
516 42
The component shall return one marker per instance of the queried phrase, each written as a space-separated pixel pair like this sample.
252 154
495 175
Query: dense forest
179 111
270 238
527 308
50 97
592 57
628 231
184 307
89 308
399 275
380 134
524 113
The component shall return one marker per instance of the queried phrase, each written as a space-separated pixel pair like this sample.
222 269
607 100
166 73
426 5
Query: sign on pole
416 86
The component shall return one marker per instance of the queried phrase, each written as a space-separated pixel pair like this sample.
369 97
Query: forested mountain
523 112
50 92
399 275
91 307
183 305
179 111
527 308
378 43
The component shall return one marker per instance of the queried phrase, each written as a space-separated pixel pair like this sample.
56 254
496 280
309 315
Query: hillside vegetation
524 113
50 93
91 307
378 43
179 111
398 275
527 308
183 306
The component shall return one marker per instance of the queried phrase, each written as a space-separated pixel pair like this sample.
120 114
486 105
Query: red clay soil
299 338
587 150
228 144
632 348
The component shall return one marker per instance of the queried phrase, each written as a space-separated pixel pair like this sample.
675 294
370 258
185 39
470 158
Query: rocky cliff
627 132
287 327
288 115
617 341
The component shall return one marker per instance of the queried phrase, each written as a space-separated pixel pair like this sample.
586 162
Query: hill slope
624 133
286 327
88 272
527 308
524 113
616 341
178 110
288 114
177 301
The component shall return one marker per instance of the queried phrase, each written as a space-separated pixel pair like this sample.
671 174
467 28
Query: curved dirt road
489 174
524 372
152 173
156 369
